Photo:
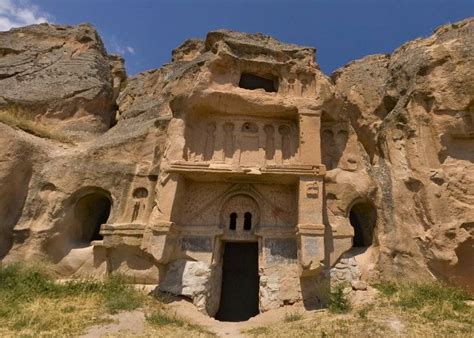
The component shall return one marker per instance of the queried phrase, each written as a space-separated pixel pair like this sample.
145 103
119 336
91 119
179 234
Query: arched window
247 221
233 221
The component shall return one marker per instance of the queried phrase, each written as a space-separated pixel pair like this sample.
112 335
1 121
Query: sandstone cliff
397 134
413 114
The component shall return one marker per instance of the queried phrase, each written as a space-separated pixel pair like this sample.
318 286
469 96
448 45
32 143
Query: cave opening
91 211
363 217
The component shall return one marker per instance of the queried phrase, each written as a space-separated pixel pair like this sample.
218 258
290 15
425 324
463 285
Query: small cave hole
140 193
247 221
249 127
251 81
363 217
233 221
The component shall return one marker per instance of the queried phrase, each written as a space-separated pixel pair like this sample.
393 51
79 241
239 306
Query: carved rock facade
242 143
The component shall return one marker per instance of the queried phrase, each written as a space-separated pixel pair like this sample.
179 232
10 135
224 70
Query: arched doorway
91 211
239 299
363 217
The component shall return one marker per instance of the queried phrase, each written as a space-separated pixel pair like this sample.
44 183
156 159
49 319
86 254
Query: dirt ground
134 323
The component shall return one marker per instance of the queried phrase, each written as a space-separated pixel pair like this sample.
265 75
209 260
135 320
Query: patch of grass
119 295
170 324
159 318
32 302
387 288
338 302
293 317
258 331
17 118
364 311
434 301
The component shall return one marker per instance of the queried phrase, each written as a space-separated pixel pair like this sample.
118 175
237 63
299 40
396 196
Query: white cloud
16 13
115 47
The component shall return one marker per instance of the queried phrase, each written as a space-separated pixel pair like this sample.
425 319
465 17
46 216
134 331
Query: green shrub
338 302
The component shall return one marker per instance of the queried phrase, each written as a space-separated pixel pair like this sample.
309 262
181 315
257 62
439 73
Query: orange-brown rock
239 171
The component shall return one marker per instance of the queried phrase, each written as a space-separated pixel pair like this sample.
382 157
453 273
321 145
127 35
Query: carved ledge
310 229
283 169
122 234
123 229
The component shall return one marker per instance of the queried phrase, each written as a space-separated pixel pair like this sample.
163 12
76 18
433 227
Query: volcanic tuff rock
62 74
397 141
413 112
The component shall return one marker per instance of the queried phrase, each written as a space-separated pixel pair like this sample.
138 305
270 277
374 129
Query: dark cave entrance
251 81
91 211
363 217
240 282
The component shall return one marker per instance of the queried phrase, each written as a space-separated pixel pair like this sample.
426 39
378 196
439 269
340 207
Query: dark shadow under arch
363 217
233 221
247 221
91 211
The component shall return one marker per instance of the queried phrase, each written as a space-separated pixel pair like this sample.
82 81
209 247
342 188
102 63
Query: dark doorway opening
363 217
92 211
251 81
240 282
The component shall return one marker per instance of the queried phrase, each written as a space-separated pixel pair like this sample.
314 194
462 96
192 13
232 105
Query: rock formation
239 165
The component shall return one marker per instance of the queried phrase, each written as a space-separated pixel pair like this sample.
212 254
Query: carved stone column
310 230
310 140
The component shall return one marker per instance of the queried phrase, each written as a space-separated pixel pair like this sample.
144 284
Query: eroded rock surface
413 111
364 176
61 76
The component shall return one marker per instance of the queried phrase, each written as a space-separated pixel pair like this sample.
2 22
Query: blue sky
145 31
